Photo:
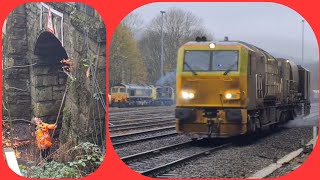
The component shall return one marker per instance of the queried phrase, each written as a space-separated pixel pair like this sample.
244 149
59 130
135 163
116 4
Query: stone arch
48 82
48 45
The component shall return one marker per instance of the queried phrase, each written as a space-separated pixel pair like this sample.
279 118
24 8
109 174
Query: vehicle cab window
122 90
114 90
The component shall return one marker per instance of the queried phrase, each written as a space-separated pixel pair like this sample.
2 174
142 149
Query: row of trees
125 61
135 51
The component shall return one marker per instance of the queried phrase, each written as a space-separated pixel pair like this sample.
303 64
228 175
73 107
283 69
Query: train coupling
210 113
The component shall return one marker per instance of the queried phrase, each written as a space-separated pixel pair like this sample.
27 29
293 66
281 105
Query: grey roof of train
133 86
231 43
223 43
136 86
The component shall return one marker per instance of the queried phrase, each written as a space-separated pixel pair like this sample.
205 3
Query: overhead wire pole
302 44
162 51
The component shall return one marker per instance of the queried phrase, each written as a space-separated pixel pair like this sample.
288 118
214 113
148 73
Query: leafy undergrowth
11 137
88 157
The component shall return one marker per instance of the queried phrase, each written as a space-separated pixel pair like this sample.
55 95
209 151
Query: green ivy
86 163
54 170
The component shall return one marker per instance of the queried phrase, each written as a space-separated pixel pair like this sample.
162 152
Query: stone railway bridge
33 80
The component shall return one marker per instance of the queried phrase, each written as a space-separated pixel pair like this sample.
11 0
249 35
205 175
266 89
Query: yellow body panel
210 89
154 93
118 96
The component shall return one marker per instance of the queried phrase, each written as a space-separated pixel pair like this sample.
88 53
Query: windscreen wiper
230 69
193 72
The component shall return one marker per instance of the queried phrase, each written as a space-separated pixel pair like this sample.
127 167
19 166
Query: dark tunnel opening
49 46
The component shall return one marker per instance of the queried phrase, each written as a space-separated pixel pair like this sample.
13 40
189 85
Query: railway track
157 161
155 151
140 112
133 109
140 120
163 161
139 125
138 136
139 116
126 142
146 115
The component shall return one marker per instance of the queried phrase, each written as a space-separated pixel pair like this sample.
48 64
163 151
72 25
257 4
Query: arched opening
48 82
48 46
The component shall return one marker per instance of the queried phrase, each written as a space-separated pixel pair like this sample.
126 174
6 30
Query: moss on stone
66 114
62 7
79 20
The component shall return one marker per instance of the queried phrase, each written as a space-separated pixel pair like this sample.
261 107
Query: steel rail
139 126
143 139
141 123
141 132
154 151
160 169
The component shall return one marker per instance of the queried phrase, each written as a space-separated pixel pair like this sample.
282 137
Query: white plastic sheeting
12 160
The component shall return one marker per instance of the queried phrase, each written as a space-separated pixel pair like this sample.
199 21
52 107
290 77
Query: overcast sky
273 27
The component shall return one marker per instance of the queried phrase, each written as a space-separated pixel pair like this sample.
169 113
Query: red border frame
112 11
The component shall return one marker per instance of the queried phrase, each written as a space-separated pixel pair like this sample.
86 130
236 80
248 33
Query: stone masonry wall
81 111
16 89
48 82
42 82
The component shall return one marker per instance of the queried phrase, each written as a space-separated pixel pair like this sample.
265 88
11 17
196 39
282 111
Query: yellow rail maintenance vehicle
229 88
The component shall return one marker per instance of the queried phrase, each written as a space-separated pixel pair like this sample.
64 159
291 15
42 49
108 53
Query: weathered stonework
37 88
15 84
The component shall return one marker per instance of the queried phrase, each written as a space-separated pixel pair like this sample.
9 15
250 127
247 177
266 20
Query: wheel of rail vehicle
194 139
290 114
115 104
122 105
283 117
306 109
258 125
252 124
274 127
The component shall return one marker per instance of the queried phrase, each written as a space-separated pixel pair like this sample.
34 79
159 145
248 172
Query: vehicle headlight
232 95
187 95
228 96
212 45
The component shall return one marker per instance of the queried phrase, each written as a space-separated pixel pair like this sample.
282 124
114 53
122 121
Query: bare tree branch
179 27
